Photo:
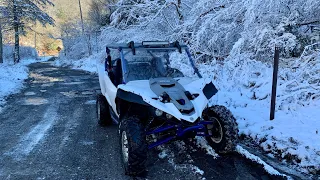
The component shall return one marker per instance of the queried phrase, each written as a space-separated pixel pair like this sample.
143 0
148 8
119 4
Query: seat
117 70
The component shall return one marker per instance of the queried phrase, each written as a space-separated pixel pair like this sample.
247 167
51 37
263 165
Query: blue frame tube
158 130
200 128
181 132
205 122
192 63
158 143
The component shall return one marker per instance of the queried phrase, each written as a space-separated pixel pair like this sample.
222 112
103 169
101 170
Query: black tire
103 113
134 162
224 138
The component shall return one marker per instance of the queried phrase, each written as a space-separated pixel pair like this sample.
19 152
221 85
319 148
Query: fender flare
209 90
130 97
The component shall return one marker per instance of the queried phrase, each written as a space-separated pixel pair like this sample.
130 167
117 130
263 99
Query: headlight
158 112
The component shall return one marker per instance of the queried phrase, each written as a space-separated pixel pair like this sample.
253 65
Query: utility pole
83 32
81 17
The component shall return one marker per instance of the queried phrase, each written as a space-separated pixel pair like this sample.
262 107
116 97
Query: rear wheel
223 131
103 113
133 146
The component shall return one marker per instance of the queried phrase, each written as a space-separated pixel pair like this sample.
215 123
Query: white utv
147 98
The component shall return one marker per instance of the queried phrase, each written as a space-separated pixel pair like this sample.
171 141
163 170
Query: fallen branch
177 9
213 9
307 23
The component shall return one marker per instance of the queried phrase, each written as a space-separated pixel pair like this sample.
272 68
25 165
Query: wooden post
274 82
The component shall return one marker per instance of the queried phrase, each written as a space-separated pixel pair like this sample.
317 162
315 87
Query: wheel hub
125 149
215 130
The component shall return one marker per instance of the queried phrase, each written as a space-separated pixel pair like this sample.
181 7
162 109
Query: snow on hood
142 88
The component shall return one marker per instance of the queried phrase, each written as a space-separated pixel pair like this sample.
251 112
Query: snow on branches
28 12
140 13
212 27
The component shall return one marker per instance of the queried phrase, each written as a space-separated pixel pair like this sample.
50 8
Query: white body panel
108 89
142 88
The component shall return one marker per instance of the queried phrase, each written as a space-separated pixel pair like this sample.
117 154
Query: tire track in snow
187 165
70 126
29 141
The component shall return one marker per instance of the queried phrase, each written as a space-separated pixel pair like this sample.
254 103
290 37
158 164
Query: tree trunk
16 34
1 45
89 44
81 17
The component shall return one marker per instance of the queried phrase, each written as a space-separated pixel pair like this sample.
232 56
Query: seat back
118 73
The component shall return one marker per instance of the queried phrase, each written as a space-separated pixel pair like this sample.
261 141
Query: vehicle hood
198 86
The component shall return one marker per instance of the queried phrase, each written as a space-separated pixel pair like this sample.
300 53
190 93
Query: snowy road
49 131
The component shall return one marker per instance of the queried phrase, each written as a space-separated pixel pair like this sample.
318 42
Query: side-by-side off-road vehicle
154 103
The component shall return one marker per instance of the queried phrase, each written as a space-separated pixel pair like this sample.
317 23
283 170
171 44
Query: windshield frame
124 62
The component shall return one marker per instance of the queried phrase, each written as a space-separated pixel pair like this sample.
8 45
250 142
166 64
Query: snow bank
87 64
12 76
25 53
294 134
11 79
254 158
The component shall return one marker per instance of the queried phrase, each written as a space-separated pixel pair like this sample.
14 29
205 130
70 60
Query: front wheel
133 145
223 132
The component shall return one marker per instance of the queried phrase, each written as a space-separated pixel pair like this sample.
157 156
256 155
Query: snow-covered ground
12 77
87 64
292 135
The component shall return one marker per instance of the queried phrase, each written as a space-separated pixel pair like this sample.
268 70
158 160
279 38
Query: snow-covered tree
142 12
213 27
23 14
99 13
